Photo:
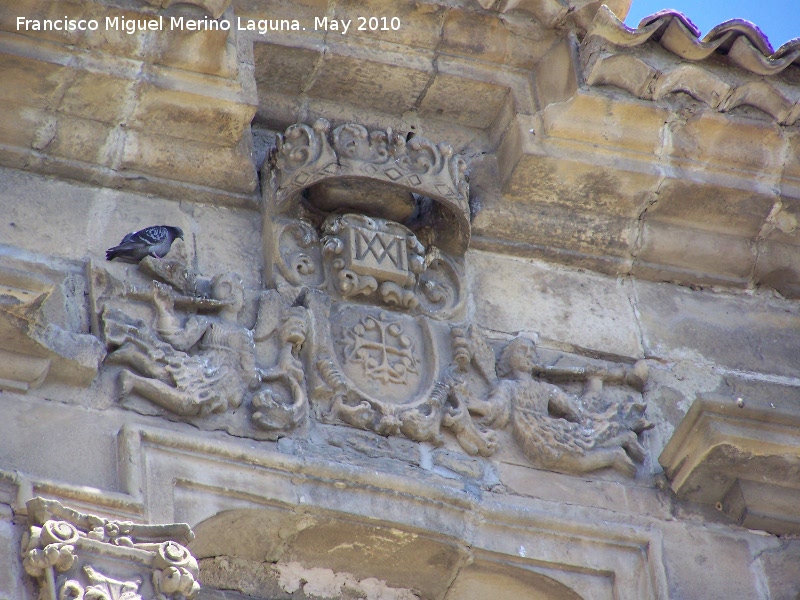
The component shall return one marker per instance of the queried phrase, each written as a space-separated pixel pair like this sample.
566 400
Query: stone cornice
734 454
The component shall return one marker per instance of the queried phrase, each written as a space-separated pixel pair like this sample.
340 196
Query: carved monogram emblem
381 347
378 253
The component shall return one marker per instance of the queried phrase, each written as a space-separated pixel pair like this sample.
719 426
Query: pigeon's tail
124 252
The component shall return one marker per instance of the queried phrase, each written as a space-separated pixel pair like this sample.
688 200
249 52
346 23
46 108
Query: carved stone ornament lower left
75 556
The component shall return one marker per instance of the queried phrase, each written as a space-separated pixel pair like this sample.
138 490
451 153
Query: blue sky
778 19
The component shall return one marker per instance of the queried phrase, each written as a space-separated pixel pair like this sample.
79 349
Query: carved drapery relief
76 556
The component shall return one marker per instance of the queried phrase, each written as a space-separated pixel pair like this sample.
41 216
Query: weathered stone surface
471 103
688 255
617 158
679 323
293 579
775 268
365 82
284 70
629 127
726 148
93 97
12 576
691 548
37 423
778 563
483 580
418 27
601 494
688 204
395 556
514 41
523 295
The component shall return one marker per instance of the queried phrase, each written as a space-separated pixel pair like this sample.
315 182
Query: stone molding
169 475
31 349
80 556
735 454
215 8
155 112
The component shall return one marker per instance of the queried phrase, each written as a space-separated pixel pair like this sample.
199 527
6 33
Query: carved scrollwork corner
297 245
75 556
175 572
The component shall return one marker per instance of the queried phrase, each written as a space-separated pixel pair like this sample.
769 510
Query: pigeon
152 241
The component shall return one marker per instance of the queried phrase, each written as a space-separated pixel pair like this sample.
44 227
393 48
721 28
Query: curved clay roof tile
744 43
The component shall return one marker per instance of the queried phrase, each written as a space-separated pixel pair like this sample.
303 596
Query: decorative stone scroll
77 556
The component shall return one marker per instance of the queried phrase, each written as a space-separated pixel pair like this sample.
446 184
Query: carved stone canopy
382 174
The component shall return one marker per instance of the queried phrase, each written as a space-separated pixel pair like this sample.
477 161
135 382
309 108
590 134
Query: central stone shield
385 355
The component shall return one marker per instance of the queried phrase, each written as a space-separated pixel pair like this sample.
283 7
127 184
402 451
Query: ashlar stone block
574 309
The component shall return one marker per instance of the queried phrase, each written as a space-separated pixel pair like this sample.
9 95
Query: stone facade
470 300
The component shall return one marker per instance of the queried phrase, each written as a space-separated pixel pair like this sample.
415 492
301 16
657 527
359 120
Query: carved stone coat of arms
364 321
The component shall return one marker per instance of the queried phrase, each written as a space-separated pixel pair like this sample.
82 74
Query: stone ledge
736 454
138 126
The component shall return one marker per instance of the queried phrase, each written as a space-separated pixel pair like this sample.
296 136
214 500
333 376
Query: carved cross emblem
381 347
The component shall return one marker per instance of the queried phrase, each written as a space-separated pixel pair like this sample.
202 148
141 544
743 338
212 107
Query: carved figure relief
192 357
214 378
77 556
366 322
380 271
563 432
